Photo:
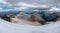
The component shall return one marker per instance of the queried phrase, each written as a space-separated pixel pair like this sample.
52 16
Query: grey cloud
38 2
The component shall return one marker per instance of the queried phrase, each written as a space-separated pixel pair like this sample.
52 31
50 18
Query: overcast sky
22 4
35 2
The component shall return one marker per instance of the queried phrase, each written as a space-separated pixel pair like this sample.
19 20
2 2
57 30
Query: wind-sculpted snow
6 27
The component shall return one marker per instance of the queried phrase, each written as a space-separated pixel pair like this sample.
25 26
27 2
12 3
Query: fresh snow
7 27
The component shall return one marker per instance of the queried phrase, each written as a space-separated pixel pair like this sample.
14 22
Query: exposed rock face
36 17
32 19
8 17
58 18
20 15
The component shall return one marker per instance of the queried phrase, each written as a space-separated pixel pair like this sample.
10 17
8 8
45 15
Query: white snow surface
7 27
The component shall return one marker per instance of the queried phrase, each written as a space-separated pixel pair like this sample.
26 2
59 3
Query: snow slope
6 27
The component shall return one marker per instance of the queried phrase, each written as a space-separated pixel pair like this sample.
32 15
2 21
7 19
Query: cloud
2 1
33 1
54 9
0 9
25 4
